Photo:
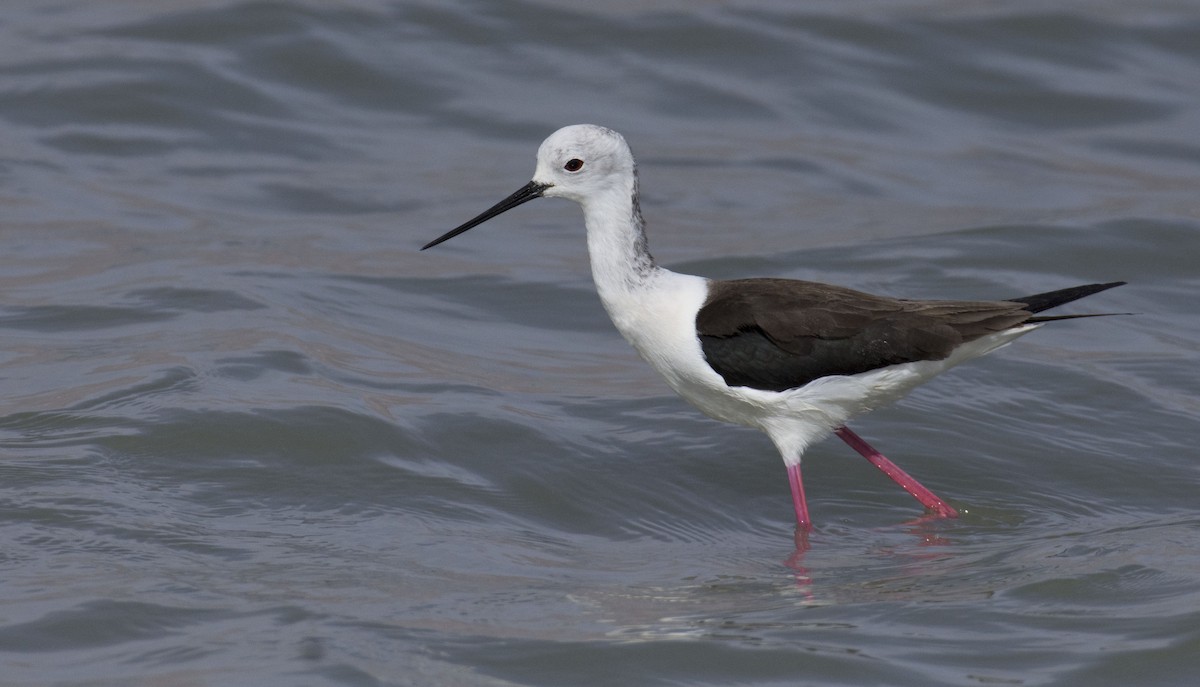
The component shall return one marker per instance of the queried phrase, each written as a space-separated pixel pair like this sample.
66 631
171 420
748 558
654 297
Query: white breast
658 318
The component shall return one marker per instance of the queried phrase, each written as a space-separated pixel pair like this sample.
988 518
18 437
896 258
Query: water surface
250 435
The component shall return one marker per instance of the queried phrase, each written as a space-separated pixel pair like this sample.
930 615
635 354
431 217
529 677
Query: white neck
653 308
616 239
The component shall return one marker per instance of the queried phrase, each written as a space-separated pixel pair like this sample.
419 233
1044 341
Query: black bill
523 195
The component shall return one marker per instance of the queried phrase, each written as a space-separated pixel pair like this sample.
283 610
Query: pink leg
912 486
803 523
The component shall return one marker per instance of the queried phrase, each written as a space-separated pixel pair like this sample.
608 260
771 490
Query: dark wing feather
1050 299
778 334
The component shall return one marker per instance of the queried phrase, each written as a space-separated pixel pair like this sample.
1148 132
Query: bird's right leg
931 501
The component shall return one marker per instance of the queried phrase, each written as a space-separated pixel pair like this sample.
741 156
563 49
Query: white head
579 162
582 160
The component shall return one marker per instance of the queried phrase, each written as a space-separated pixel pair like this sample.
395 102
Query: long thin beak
523 195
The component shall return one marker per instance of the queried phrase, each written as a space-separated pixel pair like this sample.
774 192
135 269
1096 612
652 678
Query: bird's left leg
803 523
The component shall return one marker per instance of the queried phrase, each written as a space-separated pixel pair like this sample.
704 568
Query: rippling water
249 435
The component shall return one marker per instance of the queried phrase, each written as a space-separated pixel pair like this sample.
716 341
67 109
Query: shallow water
250 435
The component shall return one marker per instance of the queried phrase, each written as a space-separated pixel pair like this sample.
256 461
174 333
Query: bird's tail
1052 299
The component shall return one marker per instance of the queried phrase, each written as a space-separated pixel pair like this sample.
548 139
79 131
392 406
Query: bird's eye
573 165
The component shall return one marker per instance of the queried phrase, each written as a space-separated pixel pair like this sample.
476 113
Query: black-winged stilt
796 359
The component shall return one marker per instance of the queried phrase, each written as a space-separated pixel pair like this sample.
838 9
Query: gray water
249 435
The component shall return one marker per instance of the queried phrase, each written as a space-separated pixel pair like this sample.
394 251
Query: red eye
573 165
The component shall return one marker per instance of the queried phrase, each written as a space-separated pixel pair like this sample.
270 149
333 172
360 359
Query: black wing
778 334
